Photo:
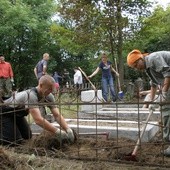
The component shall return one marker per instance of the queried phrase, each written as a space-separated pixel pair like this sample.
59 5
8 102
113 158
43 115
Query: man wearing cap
157 67
6 78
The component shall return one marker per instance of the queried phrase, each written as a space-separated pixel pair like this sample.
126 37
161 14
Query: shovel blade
130 157
121 95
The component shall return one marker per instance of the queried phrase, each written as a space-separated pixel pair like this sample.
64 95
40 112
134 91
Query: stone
88 98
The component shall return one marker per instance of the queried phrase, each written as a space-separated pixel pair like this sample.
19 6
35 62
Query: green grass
67 105
69 111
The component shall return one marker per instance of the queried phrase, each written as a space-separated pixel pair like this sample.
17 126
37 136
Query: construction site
120 134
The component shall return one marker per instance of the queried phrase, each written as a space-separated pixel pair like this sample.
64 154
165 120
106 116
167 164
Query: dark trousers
13 129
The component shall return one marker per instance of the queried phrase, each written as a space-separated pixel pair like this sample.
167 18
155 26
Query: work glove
61 135
70 134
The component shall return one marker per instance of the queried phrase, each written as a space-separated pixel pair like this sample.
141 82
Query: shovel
94 88
120 93
132 156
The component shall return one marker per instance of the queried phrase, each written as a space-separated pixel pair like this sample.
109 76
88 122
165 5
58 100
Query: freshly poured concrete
126 129
135 114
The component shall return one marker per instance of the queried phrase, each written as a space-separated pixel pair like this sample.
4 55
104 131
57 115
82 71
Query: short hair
45 54
46 79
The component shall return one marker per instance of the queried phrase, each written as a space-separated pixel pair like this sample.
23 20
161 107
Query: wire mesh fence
108 131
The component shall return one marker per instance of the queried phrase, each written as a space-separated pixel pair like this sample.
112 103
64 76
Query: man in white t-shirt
78 79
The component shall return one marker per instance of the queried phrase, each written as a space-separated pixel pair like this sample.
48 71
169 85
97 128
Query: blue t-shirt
106 69
40 66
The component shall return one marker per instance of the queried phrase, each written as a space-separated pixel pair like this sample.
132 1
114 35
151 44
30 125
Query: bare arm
153 92
143 93
59 118
35 72
44 69
11 74
166 84
94 73
39 120
117 74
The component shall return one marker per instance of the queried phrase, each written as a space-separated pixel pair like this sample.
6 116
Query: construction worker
157 67
107 79
14 127
6 78
41 67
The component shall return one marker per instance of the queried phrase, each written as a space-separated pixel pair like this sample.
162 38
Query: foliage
24 34
85 28
153 34
92 26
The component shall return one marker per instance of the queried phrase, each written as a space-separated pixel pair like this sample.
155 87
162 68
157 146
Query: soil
44 151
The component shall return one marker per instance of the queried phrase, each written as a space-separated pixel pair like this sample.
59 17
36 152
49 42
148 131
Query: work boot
166 152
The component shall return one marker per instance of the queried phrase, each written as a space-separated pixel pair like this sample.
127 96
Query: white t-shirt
78 77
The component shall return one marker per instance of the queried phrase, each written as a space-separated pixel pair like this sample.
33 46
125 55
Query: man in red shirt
6 78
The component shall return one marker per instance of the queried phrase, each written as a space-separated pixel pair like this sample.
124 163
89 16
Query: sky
160 2
163 2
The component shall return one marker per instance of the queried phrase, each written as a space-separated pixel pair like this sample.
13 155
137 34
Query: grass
69 111
67 105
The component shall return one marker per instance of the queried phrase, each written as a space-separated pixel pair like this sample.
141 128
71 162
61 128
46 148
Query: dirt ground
87 153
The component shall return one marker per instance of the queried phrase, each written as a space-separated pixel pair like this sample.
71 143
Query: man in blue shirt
41 67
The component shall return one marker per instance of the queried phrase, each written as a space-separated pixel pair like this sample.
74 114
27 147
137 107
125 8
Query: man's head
135 60
46 85
2 58
46 56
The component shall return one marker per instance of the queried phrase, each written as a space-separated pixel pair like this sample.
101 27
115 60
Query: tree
154 34
24 33
100 25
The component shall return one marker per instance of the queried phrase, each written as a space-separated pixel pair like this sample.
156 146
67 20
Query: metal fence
101 133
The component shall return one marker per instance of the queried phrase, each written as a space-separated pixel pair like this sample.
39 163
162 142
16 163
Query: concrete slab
126 129
121 114
89 97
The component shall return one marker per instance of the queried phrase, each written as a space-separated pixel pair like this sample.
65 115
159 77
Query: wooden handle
141 135
94 88
118 80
